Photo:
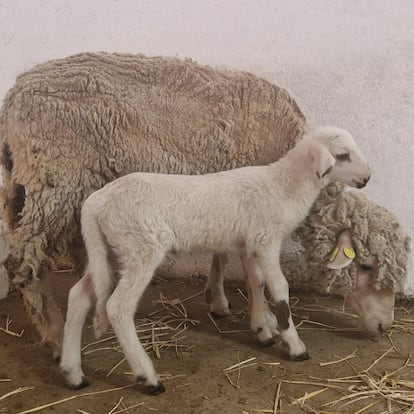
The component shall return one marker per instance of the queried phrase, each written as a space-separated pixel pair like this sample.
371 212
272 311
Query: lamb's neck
298 181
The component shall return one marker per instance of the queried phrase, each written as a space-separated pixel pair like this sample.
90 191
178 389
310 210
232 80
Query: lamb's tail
99 266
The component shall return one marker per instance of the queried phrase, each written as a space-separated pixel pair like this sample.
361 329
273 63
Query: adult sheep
69 126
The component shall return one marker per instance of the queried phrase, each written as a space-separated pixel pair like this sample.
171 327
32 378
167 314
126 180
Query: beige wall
347 62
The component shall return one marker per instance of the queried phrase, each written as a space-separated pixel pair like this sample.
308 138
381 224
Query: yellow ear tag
334 254
349 252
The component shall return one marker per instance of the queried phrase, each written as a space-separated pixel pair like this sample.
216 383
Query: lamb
69 126
368 279
138 218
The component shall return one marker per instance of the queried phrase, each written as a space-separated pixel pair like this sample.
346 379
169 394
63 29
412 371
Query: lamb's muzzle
140 217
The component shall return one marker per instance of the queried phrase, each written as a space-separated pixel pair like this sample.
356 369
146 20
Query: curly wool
375 232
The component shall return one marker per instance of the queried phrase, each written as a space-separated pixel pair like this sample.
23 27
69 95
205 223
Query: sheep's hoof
155 389
220 315
207 295
301 357
81 385
267 342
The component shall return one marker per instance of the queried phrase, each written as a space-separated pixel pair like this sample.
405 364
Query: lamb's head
337 157
356 249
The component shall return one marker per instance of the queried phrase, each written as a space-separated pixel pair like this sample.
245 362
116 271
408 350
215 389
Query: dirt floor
349 372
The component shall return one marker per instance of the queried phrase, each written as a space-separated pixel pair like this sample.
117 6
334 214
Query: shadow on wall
4 247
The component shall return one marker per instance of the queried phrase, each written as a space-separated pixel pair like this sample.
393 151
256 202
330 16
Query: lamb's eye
343 157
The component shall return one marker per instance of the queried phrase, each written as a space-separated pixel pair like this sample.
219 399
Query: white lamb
130 224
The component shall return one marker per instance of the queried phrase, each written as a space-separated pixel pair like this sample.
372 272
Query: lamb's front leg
215 296
279 289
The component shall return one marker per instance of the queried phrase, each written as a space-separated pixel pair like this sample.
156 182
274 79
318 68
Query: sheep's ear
323 161
344 253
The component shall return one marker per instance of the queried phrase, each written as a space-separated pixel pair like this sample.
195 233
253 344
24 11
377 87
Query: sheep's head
336 157
372 268
374 307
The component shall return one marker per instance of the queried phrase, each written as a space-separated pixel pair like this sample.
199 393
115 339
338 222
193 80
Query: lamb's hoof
155 389
301 357
82 385
267 342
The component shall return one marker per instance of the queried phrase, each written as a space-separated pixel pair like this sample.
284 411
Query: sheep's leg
270 317
215 296
257 305
279 289
44 312
121 308
81 298
40 206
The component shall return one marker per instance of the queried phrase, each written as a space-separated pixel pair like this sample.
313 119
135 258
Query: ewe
69 126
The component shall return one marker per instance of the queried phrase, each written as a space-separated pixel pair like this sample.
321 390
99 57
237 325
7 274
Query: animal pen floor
214 366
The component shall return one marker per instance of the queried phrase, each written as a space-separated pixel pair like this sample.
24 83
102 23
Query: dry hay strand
14 392
237 368
7 331
352 355
126 409
156 334
277 401
315 307
172 302
388 388
72 397
225 331
322 326
392 389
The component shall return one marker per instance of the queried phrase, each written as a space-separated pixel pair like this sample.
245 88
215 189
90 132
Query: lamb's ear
323 161
344 253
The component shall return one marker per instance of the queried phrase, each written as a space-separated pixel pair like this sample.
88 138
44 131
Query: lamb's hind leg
81 298
214 293
121 308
